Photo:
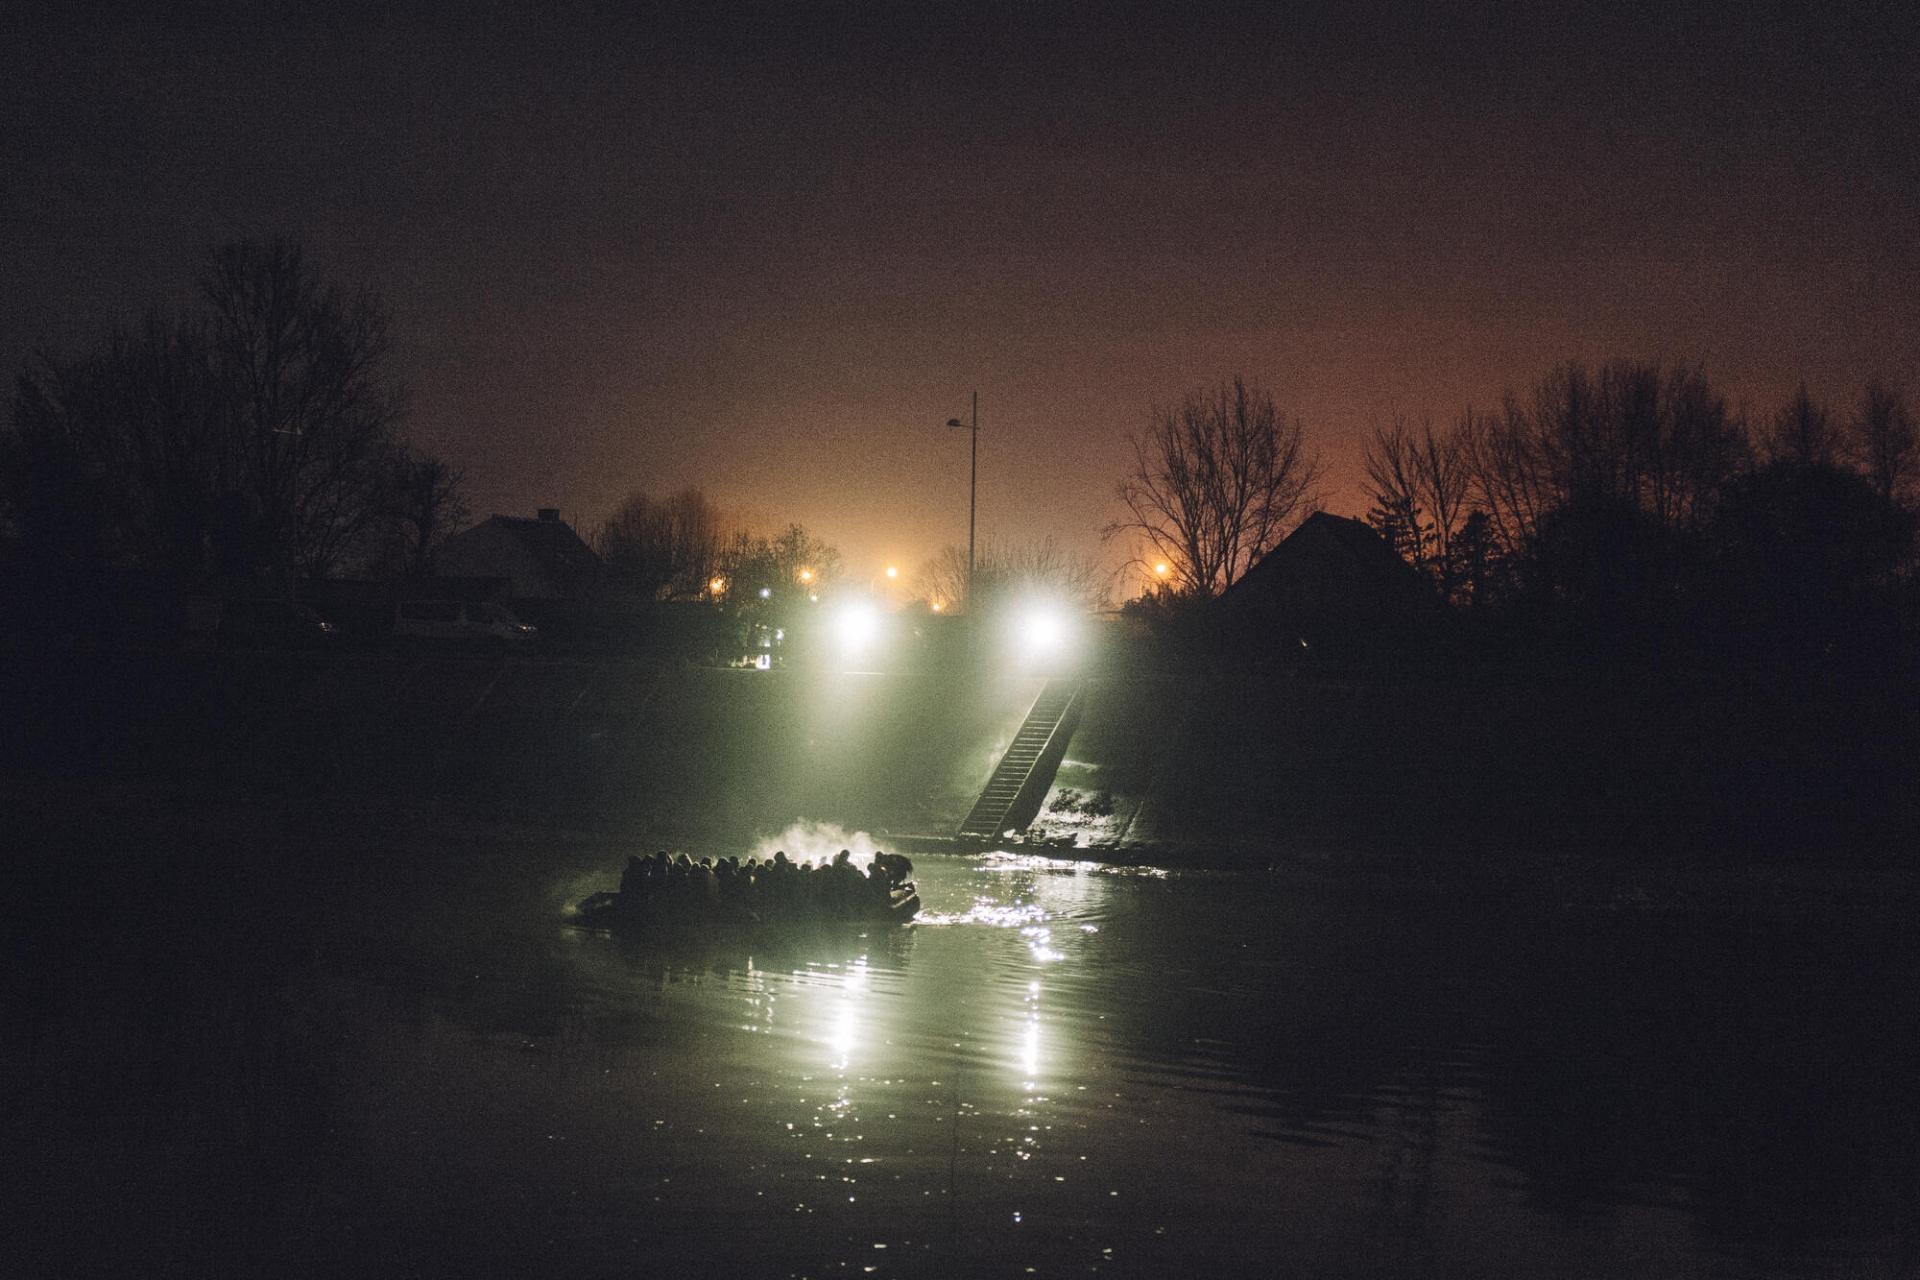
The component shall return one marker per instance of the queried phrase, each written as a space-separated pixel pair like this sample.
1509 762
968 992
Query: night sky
770 250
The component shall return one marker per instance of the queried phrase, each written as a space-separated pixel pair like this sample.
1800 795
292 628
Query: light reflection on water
1082 1069
1078 1066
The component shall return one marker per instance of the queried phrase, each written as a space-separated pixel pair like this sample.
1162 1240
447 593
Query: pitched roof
1366 553
554 544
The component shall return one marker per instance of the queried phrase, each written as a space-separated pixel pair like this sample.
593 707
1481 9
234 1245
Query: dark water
1062 1070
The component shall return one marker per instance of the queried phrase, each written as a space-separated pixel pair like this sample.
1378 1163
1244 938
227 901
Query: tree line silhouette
1630 505
255 437
252 436
1621 510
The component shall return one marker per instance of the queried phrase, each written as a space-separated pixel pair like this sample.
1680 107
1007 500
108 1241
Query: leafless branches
1003 571
665 549
1215 483
1659 439
1418 483
1882 442
254 432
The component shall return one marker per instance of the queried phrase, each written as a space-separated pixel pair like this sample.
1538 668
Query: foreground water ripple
1063 1068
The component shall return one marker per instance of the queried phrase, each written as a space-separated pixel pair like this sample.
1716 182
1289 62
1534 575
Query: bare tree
1632 435
1883 444
426 502
1215 483
254 431
784 565
664 550
312 407
1399 511
1440 465
1418 482
127 441
1004 571
1804 432
942 580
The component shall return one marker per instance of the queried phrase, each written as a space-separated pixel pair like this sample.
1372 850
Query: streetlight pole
973 491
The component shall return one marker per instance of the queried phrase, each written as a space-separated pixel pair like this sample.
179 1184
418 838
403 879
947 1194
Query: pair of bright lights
1040 630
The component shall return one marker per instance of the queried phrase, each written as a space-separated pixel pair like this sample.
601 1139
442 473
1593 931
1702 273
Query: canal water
1062 1069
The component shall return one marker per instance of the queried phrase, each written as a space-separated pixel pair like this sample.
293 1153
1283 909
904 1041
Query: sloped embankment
1299 766
677 751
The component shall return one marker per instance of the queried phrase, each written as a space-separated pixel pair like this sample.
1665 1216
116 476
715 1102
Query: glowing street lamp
892 572
717 586
806 575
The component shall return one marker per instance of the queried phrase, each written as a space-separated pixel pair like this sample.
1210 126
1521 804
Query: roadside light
856 627
718 586
806 575
938 605
813 597
1162 569
766 592
892 572
1043 629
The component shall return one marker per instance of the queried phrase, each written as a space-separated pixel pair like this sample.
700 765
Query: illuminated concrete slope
1021 780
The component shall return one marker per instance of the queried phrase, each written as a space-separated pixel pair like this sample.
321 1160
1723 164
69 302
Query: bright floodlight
1044 629
856 626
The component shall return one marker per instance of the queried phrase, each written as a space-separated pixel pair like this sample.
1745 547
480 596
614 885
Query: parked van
459 621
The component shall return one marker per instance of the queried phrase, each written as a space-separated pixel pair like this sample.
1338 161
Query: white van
457 621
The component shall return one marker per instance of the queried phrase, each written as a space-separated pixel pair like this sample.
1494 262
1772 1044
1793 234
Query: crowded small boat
663 893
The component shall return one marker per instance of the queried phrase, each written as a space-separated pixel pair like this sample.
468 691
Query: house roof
1367 555
540 557
553 543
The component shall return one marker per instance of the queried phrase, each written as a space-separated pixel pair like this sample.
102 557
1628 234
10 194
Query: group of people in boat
776 890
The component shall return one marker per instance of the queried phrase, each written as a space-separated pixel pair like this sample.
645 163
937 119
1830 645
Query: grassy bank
1246 768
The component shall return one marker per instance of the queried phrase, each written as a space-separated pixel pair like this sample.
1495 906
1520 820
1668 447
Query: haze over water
1063 1069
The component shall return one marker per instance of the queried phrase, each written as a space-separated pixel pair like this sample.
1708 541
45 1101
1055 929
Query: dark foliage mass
252 436
662 549
1628 511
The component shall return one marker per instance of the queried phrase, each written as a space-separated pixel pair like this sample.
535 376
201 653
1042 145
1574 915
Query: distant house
540 559
1332 588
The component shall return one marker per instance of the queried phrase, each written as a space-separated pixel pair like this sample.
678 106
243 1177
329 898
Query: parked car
459 622
276 624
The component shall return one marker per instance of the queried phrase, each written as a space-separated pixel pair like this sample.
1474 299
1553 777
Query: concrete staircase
1019 783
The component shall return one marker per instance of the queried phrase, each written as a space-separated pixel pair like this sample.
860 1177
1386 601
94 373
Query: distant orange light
892 572
1163 568
717 585
806 575
938 606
